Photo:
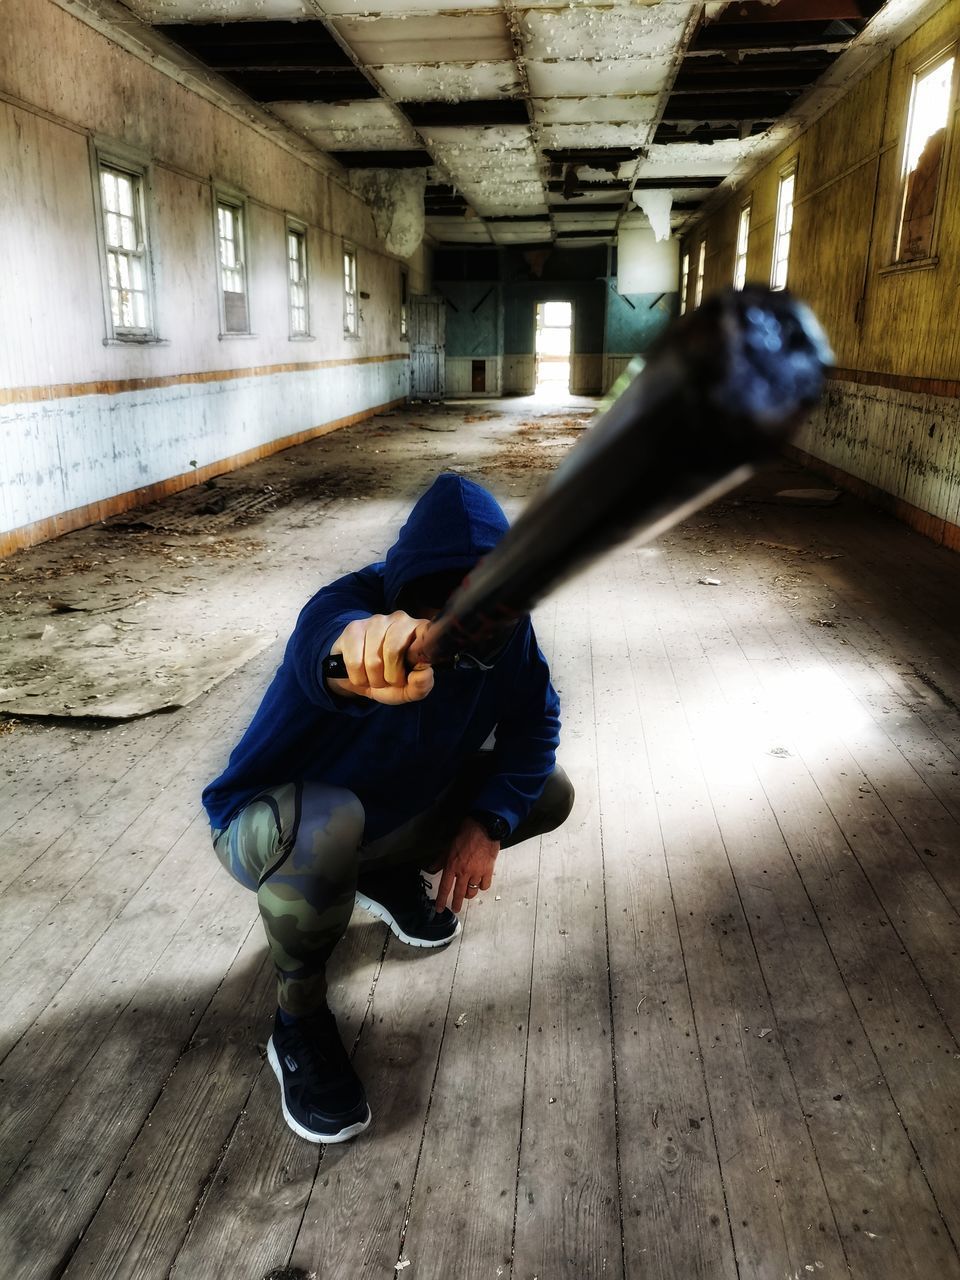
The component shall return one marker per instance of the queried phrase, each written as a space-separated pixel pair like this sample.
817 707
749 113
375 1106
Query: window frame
923 64
230 198
684 281
105 154
349 250
788 172
293 227
404 305
701 273
740 255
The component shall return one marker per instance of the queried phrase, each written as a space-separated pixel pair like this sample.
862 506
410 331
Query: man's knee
556 801
329 829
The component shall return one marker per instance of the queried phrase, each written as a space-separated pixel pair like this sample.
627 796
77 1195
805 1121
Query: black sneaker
322 1098
400 898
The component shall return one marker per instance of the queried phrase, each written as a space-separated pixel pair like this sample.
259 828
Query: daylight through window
684 281
233 281
923 159
126 250
781 242
351 313
743 240
701 267
297 276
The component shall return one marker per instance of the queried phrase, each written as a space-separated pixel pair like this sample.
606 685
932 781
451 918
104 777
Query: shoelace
320 1050
426 902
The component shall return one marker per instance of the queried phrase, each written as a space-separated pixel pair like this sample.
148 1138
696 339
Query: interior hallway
708 1028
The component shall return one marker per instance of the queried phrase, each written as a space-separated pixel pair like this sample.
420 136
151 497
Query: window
701 266
404 286
126 252
297 280
743 239
234 312
923 156
351 311
784 227
684 281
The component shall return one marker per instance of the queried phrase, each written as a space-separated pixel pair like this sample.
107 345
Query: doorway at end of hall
554 344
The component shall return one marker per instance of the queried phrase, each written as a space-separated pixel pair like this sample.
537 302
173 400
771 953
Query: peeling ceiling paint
534 110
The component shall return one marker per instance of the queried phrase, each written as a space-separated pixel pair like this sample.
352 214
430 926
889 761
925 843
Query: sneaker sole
380 911
311 1135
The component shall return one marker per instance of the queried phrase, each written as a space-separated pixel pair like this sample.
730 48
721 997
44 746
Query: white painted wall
61 83
903 442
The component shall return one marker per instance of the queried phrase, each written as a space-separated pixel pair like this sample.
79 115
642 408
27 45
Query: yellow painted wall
894 328
844 211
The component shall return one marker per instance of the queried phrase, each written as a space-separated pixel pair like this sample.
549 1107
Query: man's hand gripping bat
719 394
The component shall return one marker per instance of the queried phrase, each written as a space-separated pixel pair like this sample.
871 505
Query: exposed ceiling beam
728 106
337 84
384 159
798 11
768 35
670 183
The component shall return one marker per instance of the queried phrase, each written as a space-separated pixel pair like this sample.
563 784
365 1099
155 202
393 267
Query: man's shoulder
364 584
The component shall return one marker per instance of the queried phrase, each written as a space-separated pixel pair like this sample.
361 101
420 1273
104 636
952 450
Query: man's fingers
486 880
351 646
419 683
396 642
377 627
447 881
458 895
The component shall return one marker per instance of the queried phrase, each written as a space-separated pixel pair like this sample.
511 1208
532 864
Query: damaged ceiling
534 121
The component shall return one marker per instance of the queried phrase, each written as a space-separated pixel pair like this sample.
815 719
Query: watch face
497 828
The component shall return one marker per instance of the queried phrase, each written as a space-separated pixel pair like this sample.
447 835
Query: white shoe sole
344 1135
380 911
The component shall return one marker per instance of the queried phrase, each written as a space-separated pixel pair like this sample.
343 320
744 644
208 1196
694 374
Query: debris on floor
809 497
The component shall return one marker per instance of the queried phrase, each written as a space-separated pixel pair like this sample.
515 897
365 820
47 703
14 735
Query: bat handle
334 667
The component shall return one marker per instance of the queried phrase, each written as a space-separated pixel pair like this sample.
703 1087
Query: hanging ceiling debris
534 121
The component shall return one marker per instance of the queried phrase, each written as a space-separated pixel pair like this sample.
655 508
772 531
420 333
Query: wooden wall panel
885 323
62 83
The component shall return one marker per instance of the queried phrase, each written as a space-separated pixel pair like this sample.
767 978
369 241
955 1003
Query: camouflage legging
298 847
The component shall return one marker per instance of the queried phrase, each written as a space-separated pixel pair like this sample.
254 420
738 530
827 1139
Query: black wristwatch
497 828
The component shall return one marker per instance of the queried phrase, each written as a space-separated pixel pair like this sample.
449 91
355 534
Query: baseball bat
719 394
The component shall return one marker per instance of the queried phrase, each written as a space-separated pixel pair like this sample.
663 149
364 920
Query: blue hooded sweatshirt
397 759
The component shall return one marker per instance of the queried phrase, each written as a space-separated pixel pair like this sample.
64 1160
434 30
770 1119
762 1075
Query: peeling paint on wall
905 443
395 197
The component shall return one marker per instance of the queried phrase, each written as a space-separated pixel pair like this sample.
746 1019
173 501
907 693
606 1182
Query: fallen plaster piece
657 206
82 678
809 497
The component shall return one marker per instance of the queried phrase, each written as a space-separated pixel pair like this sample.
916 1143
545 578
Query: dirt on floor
146 610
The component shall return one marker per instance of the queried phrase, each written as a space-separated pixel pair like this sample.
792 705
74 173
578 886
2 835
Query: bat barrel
724 389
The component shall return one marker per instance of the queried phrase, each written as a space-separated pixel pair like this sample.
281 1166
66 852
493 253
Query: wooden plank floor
709 1029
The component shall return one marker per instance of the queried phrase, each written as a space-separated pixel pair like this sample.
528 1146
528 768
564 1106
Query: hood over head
453 525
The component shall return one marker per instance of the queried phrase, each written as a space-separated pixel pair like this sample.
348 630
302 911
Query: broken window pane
923 160
350 309
232 272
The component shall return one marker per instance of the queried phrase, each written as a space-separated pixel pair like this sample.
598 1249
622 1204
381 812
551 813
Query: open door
428 316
